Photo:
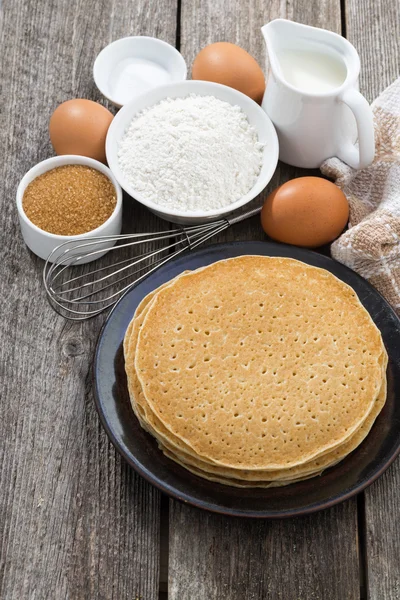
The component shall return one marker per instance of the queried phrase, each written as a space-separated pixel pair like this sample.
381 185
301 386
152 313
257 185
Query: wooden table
76 522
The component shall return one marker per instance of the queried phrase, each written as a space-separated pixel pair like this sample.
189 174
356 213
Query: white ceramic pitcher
312 96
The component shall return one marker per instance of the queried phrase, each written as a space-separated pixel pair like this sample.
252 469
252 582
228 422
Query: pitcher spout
279 34
290 44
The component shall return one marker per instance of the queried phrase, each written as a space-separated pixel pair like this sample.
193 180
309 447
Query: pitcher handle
361 158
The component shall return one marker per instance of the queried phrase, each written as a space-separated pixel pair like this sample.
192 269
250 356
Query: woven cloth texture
371 245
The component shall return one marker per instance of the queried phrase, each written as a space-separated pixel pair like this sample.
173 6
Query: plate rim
203 504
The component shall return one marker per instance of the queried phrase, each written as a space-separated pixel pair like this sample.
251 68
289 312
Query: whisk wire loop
93 290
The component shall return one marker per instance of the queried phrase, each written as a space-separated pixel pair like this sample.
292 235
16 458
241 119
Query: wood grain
305 558
75 521
373 26
315 558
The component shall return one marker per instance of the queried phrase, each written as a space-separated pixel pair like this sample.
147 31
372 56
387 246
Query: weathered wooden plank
75 522
374 29
224 558
311 558
373 26
382 536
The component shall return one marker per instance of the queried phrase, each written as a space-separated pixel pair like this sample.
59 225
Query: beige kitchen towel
371 245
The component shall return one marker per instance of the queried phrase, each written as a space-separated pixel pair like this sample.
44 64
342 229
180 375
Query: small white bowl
131 66
43 243
255 114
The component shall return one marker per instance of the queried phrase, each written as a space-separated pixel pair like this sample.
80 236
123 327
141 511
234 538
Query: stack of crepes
255 371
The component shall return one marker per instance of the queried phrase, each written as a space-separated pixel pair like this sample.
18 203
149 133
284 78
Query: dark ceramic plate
348 478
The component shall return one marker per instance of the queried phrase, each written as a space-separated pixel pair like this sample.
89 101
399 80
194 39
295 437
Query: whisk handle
243 216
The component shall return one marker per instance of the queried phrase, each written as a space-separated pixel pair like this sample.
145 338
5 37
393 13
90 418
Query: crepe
283 327
182 453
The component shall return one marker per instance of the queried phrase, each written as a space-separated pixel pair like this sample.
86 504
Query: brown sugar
69 200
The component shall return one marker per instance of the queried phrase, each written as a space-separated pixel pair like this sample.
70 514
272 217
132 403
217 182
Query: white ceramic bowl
131 66
257 117
43 243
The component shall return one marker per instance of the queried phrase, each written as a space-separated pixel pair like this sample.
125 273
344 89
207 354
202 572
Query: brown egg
308 211
230 65
80 127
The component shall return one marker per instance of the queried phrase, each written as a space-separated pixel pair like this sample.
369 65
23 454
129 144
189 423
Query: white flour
192 154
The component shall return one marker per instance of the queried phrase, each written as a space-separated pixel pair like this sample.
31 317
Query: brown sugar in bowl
69 200
42 242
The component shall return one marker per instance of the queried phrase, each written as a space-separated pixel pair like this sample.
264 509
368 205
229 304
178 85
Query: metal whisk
92 291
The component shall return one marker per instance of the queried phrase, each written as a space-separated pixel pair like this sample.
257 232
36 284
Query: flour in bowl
191 154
